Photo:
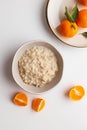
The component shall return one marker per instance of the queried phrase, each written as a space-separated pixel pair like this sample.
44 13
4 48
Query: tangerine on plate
83 2
20 99
38 104
67 28
76 93
82 18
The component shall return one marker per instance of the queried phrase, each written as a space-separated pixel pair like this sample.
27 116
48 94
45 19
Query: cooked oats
37 66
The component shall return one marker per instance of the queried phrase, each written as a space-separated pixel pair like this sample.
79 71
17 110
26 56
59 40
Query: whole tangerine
83 2
67 28
82 18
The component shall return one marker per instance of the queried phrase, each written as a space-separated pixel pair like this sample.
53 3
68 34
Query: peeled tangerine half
20 99
38 104
76 93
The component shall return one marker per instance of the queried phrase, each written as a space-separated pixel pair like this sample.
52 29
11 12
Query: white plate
15 71
55 14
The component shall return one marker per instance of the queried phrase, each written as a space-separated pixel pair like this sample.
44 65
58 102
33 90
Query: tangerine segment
82 18
76 93
83 2
67 28
38 104
20 99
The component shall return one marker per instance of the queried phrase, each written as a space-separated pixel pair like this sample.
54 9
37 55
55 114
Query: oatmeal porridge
37 66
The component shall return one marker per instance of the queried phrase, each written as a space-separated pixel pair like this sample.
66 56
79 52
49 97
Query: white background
22 21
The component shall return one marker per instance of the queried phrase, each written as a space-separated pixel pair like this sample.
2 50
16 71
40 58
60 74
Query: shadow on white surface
7 69
44 21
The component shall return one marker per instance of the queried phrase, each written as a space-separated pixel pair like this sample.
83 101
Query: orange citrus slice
76 93
20 99
38 104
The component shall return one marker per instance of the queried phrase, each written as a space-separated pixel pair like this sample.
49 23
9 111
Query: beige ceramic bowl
15 71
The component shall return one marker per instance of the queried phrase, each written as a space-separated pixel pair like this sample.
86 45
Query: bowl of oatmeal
37 67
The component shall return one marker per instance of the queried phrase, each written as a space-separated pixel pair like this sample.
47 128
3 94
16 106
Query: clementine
20 99
82 18
83 2
38 104
76 93
67 28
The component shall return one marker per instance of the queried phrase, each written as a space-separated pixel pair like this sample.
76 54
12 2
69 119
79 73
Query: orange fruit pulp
83 2
38 104
76 93
67 28
20 99
82 18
